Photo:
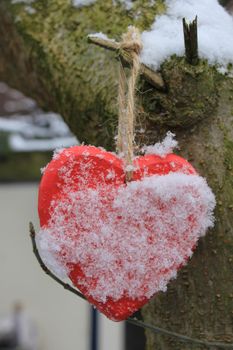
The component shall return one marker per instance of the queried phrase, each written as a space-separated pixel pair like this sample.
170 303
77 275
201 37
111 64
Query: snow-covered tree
45 54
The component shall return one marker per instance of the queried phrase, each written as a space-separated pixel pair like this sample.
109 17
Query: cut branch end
191 41
154 78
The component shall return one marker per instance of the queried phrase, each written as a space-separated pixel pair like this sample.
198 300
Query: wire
132 320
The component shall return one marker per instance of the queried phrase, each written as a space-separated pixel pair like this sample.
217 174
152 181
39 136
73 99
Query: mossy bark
45 54
199 303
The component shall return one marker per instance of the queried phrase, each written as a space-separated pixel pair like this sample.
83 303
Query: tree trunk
199 303
45 54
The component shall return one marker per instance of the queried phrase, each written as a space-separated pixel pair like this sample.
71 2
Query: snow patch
127 3
30 10
40 132
100 35
215 33
42 170
81 3
50 249
129 241
162 148
57 152
20 144
129 168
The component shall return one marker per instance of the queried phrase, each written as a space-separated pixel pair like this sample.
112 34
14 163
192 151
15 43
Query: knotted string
131 42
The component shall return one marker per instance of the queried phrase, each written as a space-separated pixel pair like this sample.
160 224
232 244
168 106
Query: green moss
71 74
79 80
192 94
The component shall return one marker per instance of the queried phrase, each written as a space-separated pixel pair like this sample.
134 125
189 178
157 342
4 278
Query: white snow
20 144
30 10
49 250
42 132
100 35
42 170
215 33
24 124
57 152
130 240
12 125
162 148
166 38
129 168
80 3
127 3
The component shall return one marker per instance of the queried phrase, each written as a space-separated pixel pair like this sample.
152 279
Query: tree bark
45 54
199 303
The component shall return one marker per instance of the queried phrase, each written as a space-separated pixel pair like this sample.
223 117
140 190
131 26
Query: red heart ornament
120 243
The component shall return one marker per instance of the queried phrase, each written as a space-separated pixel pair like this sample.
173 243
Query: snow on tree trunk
45 54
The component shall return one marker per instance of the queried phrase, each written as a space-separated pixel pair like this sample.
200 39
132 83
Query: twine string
131 42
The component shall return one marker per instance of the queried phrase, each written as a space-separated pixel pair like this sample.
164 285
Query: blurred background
35 312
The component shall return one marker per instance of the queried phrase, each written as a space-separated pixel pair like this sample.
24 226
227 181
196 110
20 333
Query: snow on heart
130 240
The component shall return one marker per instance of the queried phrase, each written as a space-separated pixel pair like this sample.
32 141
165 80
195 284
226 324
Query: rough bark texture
200 302
45 55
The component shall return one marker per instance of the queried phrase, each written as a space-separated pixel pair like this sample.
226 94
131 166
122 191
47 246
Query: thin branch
44 267
151 76
191 41
180 337
134 321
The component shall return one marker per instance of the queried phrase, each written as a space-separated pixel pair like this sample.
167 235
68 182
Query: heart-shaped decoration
120 243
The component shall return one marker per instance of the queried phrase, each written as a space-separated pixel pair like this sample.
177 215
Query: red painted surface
52 188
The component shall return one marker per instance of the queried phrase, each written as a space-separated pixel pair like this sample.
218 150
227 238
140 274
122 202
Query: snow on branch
215 33
151 76
80 3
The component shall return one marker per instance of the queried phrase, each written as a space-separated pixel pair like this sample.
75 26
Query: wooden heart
120 243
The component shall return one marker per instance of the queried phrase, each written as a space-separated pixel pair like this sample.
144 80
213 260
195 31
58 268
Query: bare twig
191 41
132 320
44 267
151 76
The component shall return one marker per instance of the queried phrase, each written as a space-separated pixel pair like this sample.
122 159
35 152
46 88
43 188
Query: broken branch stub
191 41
